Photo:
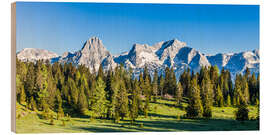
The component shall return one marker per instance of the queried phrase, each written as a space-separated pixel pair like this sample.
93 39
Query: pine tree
155 86
237 91
228 100
206 94
98 100
245 90
20 92
114 96
72 93
194 108
100 72
147 93
82 102
179 94
122 98
60 113
134 109
161 82
167 85
219 97
173 83
141 84
42 86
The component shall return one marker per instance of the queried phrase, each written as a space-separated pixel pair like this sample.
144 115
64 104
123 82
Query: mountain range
172 53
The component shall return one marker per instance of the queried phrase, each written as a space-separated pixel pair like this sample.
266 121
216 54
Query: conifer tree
122 98
228 100
185 79
237 91
98 100
245 91
252 88
113 104
82 101
42 86
173 83
147 93
72 93
206 93
219 100
141 84
161 82
21 96
134 109
179 94
100 72
167 85
155 86
194 108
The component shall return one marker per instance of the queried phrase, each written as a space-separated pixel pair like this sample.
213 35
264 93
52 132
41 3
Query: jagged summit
93 43
172 53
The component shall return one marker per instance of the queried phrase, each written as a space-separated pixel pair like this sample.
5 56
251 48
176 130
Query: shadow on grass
160 115
202 125
100 129
171 125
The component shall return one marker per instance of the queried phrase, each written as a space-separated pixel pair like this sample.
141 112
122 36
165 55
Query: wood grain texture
13 67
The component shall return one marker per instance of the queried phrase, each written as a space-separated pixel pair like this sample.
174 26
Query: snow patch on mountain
173 53
34 54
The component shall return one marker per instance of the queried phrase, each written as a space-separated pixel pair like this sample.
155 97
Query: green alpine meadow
55 98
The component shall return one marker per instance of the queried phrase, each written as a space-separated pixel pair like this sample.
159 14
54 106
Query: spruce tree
207 99
147 93
194 108
122 98
228 103
98 100
161 82
167 85
155 86
179 94
134 109
82 101
219 100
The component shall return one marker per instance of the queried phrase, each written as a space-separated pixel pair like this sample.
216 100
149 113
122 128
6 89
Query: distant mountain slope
237 62
172 53
33 54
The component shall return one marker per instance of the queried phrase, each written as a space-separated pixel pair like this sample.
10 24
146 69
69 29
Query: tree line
116 94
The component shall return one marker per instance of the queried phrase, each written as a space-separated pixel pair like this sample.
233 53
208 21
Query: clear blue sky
61 27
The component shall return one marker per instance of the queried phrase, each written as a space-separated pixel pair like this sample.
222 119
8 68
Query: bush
242 113
207 113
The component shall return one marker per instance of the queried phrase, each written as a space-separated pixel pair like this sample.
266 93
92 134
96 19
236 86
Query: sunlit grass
162 117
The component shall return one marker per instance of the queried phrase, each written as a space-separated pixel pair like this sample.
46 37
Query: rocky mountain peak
172 53
93 44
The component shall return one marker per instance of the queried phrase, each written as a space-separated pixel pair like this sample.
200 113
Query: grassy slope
162 117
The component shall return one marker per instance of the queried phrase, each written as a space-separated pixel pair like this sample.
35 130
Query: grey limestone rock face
172 53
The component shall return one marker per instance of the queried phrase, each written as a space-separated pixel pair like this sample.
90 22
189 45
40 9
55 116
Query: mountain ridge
172 53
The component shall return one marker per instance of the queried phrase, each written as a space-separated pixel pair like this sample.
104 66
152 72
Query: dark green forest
72 91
